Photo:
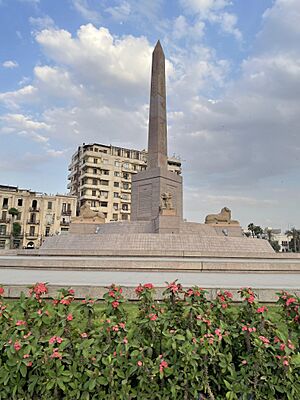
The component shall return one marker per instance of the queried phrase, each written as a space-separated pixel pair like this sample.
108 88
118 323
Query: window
96 149
95 160
95 181
94 203
2 229
94 193
125 207
104 194
115 217
116 206
126 165
47 231
103 203
31 230
117 163
126 186
126 175
116 173
125 196
95 170
20 202
105 161
34 204
4 215
105 172
49 205
5 203
124 217
127 154
2 244
116 195
64 207
105 215
103 182
33 218
18 218
116 184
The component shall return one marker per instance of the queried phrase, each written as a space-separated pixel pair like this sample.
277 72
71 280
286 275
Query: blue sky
78 71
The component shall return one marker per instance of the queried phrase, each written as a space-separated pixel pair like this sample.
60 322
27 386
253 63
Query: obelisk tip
158 47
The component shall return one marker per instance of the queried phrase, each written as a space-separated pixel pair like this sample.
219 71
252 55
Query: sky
74 71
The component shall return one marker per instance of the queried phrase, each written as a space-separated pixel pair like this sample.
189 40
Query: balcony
5 206
66 212
32 237
64 223
34 209
31 222
4 220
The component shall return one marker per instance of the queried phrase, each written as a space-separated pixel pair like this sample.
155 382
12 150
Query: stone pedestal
147 189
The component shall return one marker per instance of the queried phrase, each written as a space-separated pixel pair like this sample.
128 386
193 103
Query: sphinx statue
86 215
166 201
224 218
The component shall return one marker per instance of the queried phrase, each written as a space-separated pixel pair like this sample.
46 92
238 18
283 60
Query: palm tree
295 234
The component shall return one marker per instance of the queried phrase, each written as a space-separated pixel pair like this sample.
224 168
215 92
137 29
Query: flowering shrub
183 347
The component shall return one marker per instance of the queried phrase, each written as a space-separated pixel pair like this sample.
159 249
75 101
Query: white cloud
15 98
22 124
10 64
82 7
183 28
42 22
119 12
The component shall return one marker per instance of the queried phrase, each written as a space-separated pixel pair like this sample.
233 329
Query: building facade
101 175
27 217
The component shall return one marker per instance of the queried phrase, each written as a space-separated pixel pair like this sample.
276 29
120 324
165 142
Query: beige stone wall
102 175
40 215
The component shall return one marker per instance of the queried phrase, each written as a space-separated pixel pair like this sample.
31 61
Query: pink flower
244 362
153 317
39 289
26 356
282 346
59 339
71 292
163 364
115 328
218 333
264 339
148 286
244 328
20 322
139 363
52 340
17 346
56 354
27 336
224 305
29 364
70 317
290 345
115 304
229 295
252 329
139 289
66 302
251 299
290 301
125 340
122 325
111 293
261 310
285 362
1 290
84 335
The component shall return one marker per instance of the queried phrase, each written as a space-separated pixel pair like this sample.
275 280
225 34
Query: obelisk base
147 189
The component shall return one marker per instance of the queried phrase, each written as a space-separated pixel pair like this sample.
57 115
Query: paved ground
15 276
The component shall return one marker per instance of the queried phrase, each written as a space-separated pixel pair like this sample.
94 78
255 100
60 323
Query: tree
13 211
295 242
16 229
255 230
275 245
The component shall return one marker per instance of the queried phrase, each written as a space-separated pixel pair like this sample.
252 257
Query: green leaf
23 370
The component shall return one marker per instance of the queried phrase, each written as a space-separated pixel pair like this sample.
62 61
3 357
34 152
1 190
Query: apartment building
27 217
101 175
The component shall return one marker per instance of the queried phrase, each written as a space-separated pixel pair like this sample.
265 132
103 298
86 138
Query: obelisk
150 187
157 134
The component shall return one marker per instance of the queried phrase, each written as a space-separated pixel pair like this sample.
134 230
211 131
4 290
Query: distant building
39 215
101 175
